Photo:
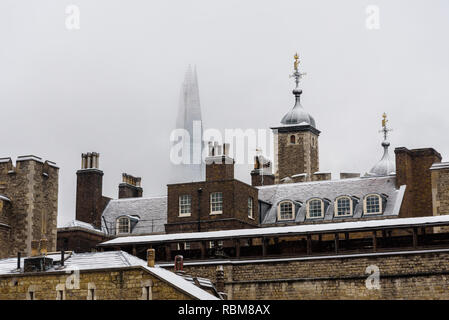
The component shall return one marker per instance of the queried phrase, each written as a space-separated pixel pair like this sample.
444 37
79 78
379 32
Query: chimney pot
179 263
34 248
151 256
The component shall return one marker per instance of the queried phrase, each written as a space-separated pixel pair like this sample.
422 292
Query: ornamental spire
385 129
296 74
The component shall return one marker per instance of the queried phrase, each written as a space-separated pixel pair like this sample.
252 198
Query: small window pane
185 204
373 204
250 207
315 210
343 207
286 211
216 202
123 225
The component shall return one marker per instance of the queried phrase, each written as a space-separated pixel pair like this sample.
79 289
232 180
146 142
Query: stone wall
107 285
296 152
440 191
32 187
423 275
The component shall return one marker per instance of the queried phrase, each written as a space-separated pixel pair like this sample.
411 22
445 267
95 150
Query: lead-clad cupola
298 115
386 165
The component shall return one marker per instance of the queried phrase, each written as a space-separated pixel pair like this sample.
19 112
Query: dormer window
315 208
285 210
123 225
216 203
185 205
372 204
343 206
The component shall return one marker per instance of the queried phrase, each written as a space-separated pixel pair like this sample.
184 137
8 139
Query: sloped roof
350 226
331 189
152 214
110 260
80 224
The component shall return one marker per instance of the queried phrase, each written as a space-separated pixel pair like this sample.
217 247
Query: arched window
372 204
343 206
315 208
285 210
123 225
292 139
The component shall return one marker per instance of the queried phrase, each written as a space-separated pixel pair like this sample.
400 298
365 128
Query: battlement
22 166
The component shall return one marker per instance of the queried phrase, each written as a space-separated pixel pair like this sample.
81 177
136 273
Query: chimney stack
219 279
130 187
89 190
219 166
151 257
43 245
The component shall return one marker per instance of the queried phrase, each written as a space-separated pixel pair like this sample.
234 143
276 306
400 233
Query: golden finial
384 120
296 63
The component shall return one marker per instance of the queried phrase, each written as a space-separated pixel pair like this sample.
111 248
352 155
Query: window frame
180 206
365 208
251 208
212 203
351 207
117 225
279 210
308 208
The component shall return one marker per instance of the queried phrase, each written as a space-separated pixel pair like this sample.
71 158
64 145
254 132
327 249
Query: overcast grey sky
113 85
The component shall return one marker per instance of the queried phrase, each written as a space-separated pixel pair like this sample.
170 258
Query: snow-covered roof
283 231
151 214
331 189
110 260
80 224
441 165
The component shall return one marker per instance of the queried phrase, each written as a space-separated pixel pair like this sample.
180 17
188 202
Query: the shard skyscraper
189 120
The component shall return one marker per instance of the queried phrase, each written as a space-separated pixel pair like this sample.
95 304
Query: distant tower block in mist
189 119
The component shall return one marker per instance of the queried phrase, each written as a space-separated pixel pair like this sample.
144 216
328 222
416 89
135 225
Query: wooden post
264 247
336 240
309 244
374 241
167 252
237 248
203 249
415 237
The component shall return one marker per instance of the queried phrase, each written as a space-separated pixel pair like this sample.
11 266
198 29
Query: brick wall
402 276
413 170
109 285
235 206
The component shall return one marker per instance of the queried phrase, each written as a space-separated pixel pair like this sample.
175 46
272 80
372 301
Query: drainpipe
200 191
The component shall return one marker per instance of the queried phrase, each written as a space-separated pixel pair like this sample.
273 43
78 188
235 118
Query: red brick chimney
89 190
219 166
413 170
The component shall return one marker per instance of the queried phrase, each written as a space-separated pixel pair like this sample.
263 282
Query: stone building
28 204
93 276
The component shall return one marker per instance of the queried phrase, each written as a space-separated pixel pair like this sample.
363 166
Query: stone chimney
43 246
151 257
219 166
89 190
130 187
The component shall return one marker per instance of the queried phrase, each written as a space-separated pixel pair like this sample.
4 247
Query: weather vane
385 130
296 74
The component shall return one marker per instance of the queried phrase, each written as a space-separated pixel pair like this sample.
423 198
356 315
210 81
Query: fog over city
113 85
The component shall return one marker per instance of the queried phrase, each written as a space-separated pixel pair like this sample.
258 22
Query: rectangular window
147 293
31 295
250 208
60 295
216 203
92 294
185 205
